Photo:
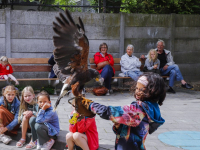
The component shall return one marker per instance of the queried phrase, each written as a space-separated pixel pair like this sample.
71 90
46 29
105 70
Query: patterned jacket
137 120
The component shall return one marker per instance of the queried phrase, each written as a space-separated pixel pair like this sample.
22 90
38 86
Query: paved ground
180 110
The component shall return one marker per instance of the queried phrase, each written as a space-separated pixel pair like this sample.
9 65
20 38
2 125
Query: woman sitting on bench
105 63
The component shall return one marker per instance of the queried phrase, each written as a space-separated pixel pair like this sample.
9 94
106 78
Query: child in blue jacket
133 122
9 108
45 127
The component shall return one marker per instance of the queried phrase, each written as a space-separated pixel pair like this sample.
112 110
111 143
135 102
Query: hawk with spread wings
71 55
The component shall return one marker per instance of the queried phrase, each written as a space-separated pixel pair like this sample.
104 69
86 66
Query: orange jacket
99 58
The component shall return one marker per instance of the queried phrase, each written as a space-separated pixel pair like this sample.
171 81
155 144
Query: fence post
172 33
7 33
121 41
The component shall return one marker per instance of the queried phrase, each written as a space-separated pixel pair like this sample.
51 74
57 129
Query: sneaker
171 90
187 86
5 139
38 145
108 93
48 145
101 80
111 91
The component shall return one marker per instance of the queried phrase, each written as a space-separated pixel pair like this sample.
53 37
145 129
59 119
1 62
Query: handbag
98 91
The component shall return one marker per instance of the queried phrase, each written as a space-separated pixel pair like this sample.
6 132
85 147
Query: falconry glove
82 106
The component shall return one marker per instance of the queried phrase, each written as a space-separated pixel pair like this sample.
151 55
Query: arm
111 60
158 63
169 59
96 58
130 115
138 63
10 69
43 116
124 63
11 125
148 65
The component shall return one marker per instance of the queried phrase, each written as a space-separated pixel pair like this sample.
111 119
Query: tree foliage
151 6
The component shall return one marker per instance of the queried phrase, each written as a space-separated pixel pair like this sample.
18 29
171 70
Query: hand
28 114
155 66
3 130
46 105
1 125
24 113
165 67
116 125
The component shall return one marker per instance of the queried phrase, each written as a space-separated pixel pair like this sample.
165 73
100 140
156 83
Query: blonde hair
4 59
23 105
149 55
5 91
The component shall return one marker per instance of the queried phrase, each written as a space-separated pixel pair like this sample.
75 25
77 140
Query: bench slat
32 68
28 60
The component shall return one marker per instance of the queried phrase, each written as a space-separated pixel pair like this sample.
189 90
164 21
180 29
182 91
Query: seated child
83 132
6 70
152 62
44 127
133 122
9 108
28 108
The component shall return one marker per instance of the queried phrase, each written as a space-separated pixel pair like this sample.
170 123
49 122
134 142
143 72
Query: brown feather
75 89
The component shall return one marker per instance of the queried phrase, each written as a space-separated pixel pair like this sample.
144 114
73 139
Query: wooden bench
30 65
117 66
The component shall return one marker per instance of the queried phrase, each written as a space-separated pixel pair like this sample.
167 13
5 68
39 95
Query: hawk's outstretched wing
72 46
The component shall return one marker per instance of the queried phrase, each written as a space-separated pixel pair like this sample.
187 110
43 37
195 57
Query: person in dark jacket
52 74
167 66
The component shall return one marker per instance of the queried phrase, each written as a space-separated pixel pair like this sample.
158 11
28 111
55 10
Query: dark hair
155 90
102 45
43 93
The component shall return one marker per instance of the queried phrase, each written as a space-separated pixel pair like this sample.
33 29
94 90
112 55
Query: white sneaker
48 145
5 139
101 80
108 93
38 145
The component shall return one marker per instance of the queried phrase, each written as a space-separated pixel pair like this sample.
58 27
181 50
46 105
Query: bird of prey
71 55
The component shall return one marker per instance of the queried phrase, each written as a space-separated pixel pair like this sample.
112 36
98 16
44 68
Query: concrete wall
29 34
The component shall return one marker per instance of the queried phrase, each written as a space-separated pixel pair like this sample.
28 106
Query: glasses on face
103 47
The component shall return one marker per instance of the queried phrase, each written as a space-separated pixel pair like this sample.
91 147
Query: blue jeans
107 73
174 74
133 74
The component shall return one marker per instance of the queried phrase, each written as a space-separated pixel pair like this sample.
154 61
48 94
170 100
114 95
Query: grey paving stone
180 111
